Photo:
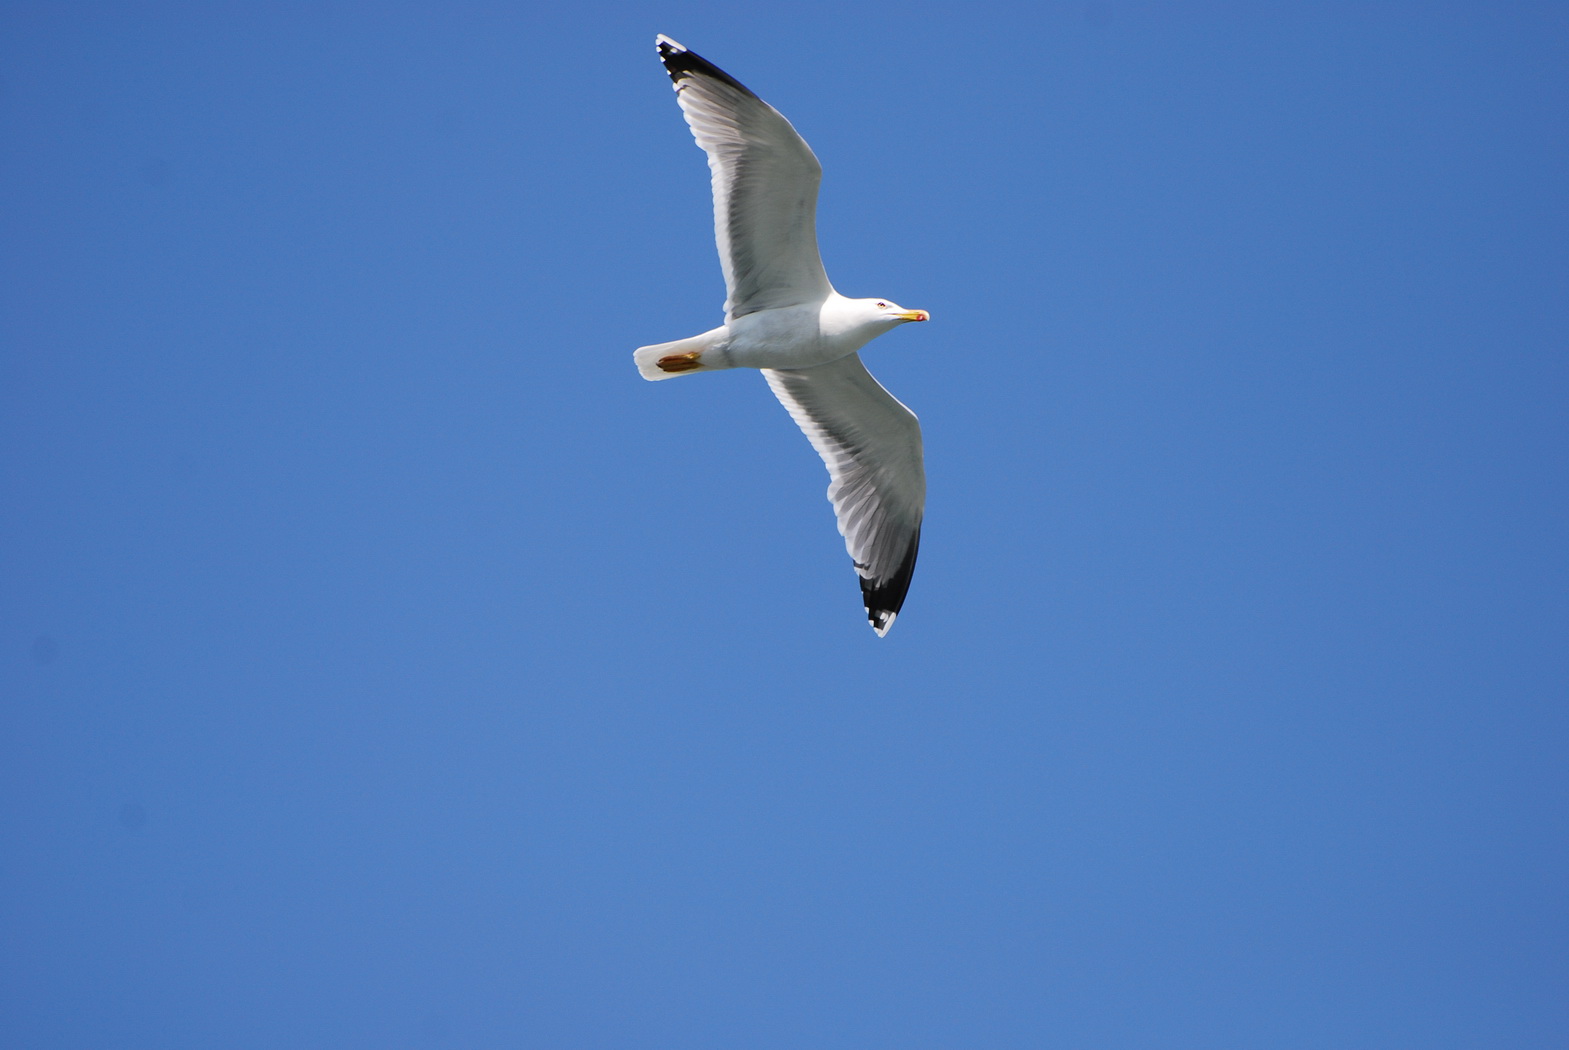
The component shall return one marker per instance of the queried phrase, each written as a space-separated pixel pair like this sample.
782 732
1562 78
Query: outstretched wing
765 187
872 447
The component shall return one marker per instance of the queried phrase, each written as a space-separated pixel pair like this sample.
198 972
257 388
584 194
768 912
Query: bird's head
889 313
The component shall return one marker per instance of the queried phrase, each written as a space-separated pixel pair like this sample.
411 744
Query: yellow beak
914 315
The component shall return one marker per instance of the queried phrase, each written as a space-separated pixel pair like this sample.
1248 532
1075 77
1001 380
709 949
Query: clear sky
384 664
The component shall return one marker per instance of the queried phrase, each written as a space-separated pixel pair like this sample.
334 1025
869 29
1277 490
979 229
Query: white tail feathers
647 358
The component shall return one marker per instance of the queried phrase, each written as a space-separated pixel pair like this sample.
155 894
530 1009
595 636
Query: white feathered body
801 336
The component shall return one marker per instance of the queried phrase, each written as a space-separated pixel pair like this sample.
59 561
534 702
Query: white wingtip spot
662 39
882 632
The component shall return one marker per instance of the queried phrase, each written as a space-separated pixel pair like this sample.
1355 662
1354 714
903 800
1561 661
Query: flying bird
784 318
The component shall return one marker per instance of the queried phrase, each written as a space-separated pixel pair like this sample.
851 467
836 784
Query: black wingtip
681 63
884 598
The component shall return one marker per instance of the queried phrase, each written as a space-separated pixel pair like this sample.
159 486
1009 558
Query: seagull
784 318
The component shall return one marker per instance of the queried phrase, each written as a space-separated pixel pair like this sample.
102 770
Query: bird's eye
882 306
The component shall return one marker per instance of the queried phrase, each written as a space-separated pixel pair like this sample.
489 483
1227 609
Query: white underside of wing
871 445
765 180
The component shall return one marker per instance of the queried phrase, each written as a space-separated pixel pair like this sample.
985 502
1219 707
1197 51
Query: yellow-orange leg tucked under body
680 362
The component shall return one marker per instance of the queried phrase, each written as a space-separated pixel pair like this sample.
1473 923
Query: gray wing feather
765 180
871 445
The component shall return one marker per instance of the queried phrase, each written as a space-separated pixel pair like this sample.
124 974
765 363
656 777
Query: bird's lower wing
871 445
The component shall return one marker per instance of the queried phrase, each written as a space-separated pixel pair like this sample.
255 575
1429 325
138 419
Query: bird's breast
786 337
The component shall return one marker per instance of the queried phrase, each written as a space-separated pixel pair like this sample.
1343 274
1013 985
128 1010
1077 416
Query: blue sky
384 664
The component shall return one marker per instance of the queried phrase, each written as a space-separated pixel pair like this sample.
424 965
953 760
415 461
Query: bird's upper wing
765 187
872 446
